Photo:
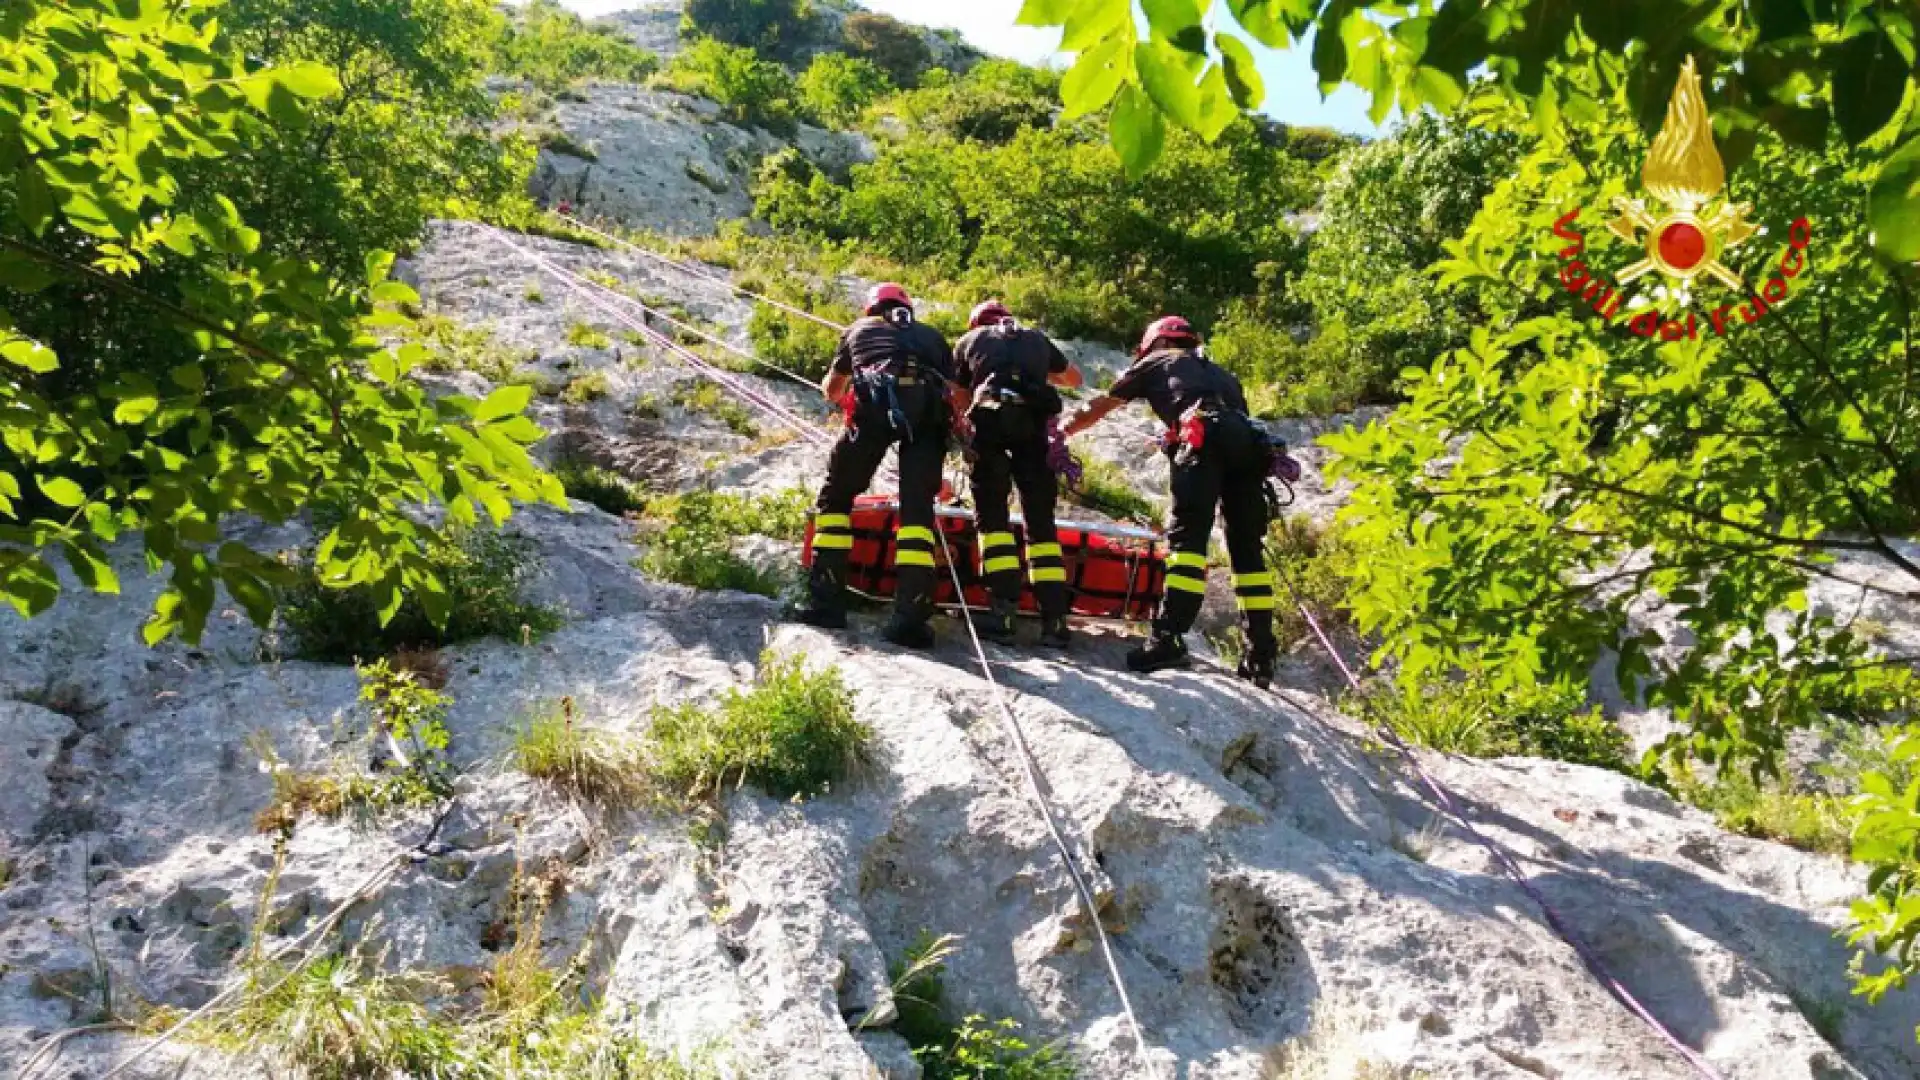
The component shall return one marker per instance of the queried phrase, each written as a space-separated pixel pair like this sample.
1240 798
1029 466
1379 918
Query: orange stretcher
1114 572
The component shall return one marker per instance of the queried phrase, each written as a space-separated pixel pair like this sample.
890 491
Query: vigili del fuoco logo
1687 242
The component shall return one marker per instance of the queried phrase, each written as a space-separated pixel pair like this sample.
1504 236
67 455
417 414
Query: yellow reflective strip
831 542
1043 551
1003 564
834 521
990 541
1251 581
1257 603
1042 575
916 532
1185 558
913 558
1186 585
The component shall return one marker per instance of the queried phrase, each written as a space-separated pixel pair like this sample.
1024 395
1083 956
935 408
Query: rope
711 279
1450 806
591 291
1031 768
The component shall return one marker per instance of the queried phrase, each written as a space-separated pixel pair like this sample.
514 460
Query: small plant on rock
975 1047
592 766
600 487
708 399
587 389
695 548
582 336
794 735
1106 489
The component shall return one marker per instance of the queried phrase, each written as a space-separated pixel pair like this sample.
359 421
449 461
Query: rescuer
1007 373
1218 458
891 375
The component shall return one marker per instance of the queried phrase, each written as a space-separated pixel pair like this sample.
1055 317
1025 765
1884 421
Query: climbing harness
1450 806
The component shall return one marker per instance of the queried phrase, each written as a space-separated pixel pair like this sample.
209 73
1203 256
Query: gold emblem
1684 172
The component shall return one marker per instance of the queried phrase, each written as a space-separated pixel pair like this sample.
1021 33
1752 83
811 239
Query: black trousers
1234 486
850 471
1000 466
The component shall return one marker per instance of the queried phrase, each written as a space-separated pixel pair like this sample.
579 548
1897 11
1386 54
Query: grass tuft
1104 488
693 538
600 487
972 1048
708 399
794 735
582 336
592 766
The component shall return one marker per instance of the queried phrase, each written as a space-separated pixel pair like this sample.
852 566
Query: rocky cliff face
1260 862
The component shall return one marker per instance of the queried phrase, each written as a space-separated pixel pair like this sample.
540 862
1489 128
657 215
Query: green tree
893 46
407 139
836 89
282 398
753 90
993 102
1794 67
1387 212
774 25
552 48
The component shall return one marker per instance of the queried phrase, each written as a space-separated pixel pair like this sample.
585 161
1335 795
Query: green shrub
1473 714
456 346
802 347
761 24
557 141
749 89
794 735
1809 821
600 487
1105 489
587 389
709 399
837 89
695 547
552 48
1311 557
973 1049
485 576
994 102
593 766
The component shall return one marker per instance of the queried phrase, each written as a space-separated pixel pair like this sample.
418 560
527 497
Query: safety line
1450 806
589 291
702 275
1031 768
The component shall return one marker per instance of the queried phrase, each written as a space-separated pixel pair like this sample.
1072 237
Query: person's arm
839 374
1090 414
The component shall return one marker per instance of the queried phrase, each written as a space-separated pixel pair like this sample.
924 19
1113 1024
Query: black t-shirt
1175 380
876 342
1019 356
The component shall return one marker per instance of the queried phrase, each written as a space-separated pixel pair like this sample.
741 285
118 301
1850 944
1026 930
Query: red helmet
887 293
992 311
1172 329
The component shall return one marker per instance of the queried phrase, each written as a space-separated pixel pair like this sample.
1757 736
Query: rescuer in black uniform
893 376
1218 457
1007 374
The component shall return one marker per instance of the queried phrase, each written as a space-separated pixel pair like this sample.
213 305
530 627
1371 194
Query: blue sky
1293 93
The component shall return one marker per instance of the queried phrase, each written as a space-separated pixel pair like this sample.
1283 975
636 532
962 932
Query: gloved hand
1285 467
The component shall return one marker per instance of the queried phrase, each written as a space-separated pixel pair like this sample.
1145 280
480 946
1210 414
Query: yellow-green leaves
1139 134
1242 72
1893 209
29 354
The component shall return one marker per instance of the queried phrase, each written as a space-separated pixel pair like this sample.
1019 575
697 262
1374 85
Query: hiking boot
997 625
1258 668
1163 653
1054 633
909 635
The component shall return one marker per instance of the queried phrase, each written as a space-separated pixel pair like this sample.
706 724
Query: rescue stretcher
1114 572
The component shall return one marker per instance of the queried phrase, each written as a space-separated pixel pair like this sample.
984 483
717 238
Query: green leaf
33 199
135 410
1096 77
23 274
1167 75
1457 38
1893 206
1139 133
1217 110
92 568
1869 82
1242 72
379 267
1093 21
30 354
308 80
62 491
504 402
1045 12
1178 21
1779 19
1272 23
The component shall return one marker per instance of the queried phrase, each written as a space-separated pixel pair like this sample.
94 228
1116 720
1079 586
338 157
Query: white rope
1031 768
711 279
